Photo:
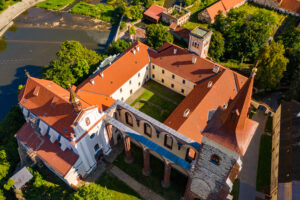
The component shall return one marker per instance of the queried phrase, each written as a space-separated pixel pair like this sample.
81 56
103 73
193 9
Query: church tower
199 41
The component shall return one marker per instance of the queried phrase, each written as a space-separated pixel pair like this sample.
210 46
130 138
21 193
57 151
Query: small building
21 178
199 41
180 33
285 163
140 34
208 15
153 14
176 14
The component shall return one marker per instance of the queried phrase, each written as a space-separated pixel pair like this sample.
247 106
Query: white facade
132 85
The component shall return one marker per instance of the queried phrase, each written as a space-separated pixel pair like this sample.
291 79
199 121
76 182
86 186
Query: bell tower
199 41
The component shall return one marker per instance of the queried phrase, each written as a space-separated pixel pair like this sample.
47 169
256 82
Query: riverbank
14 11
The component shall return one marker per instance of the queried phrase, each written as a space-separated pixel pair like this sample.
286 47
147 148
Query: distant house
286 6
179 32
176 14
285 163
208 15
139 35
153 14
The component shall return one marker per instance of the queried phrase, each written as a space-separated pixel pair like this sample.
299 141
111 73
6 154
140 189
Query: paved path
143 191
15 10
248 174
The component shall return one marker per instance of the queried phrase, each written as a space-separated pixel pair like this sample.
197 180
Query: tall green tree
92 192
72 64
216 47
157 35
135 12
117 47
3 5
4 164
271 65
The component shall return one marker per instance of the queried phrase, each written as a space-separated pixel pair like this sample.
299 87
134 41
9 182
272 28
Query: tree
2 197
135 12
271 65
9 184
3 5
4 164
72 64
92 192
157 35
117 47
216 47
132 31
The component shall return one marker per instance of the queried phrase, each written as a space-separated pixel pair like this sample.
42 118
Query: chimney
194 59
216 69
75 100
137 48
254 70
101 74
175 51
92 81
133 51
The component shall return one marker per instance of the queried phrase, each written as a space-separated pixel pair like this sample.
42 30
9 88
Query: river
34 41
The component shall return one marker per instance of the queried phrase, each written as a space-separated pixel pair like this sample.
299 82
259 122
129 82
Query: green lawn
269 125
235 64
154 105
54 4
235 189
100 11
118 189
178 181
264 163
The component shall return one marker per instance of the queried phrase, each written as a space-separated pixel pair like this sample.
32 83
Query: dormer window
215 159
87 121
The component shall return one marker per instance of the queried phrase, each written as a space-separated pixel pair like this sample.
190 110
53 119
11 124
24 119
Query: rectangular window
153 76
138 74
183 81
172 85
168 141
173 76
182 91
162 80
163 71
153 67
120 90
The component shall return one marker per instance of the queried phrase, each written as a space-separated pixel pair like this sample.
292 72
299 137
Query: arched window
147 129
168 141
92 136
215 159
129 120
87 121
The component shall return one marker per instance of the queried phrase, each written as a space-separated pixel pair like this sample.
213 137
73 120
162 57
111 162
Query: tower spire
75 100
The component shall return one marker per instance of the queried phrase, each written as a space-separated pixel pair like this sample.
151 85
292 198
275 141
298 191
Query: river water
34 41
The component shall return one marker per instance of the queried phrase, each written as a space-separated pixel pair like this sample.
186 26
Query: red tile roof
51 153
214 9
201 100
119 72
173 25
231 127
291 5
154 11
140 33
181 63
228 4
50 102
183 32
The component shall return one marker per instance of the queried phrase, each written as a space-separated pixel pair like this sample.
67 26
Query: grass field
100 11
54 4
118 189
235 64
157 106
178 181
264 163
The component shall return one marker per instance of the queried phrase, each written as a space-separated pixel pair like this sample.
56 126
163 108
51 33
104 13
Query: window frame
149 134
127 115
166 143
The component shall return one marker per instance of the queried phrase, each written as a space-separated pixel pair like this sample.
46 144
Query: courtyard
155 100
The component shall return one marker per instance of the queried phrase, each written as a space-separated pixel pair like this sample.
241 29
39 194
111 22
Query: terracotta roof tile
183 32
119 72
60 161
231 127
181 63
173 25
154 11
201 100
291 5
214 9
228 4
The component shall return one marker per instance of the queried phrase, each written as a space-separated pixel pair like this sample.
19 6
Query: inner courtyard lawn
177 180
118 189
54 4
155 100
